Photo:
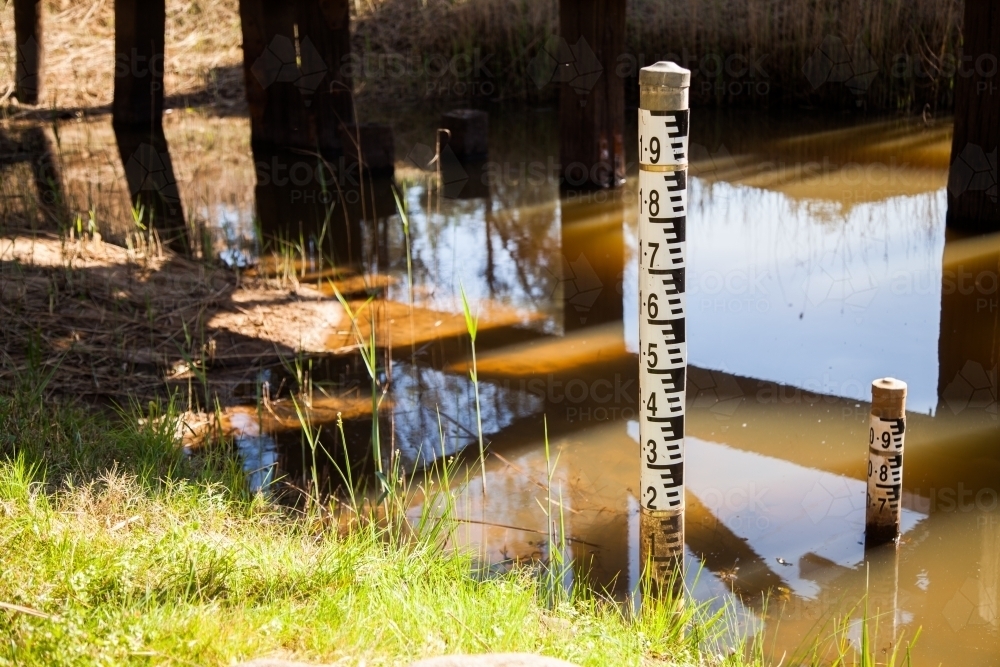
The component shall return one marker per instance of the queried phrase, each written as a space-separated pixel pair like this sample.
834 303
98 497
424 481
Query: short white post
886 428
663 161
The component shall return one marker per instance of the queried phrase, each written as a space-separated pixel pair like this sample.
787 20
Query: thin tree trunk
325 45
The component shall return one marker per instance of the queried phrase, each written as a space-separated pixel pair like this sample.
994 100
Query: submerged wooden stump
468 133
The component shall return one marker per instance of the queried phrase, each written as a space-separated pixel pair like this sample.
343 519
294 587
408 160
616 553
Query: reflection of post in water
882 568
137 117
592 262
969 344
311 172
661 546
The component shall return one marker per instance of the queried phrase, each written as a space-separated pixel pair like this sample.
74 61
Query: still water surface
818 261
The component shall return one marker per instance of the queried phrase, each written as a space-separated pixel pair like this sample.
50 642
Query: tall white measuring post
663 161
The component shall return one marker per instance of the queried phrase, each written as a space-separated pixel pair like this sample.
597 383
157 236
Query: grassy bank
746 52
119 549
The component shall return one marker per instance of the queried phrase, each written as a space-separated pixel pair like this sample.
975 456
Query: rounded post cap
665 73
889 398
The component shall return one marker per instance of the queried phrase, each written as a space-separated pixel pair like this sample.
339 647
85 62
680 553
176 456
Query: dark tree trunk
592 98
326 25
28 35
139 36
293 54
972 184
277 113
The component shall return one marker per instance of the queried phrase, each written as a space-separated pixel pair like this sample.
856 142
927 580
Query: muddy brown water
818 261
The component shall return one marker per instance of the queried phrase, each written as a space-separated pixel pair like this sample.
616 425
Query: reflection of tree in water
501 254
814 255
420 394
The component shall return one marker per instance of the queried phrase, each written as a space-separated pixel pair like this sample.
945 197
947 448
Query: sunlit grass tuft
119 549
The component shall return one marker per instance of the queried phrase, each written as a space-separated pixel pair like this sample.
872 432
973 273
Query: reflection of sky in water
258 451
779 291
234 232
781 509
420 394
506 255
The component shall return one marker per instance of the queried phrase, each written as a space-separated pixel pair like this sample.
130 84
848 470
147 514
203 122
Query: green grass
117 548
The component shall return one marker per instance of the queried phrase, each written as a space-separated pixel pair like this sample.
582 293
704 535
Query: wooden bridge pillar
277 114
139 36
325 40
292 61
973 202
28 38
592 98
